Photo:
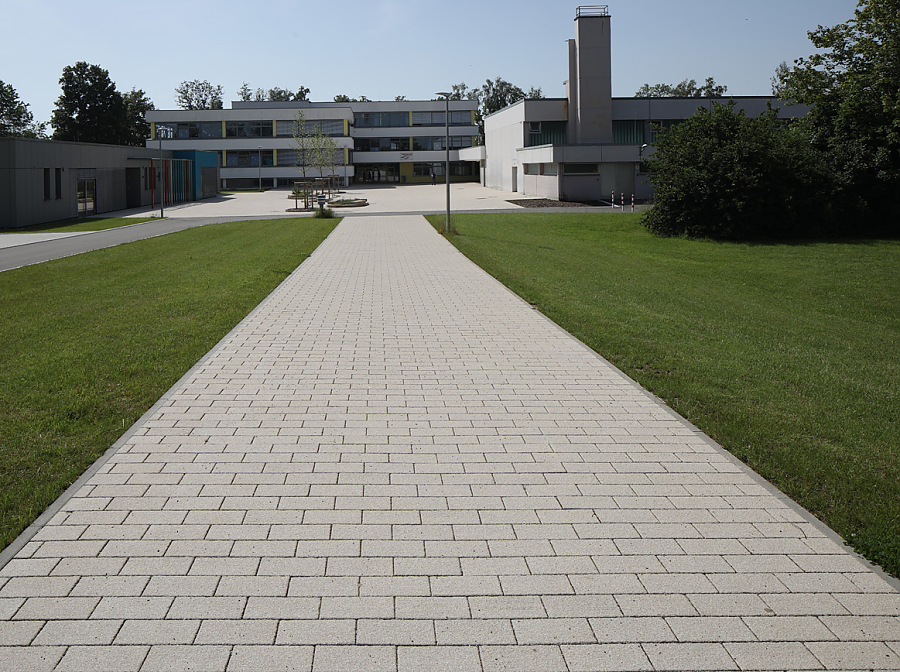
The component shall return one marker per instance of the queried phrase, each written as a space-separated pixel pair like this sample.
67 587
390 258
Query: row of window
568 168
436 168
541 168
266 158
419 144
404 119
211 130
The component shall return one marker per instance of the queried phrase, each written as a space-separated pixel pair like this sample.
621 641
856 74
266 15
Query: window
434 143
580 169
332 127
59 183
426 144
457 169
382 144
549 169
534 127
425 169
628 131
47 195
211 129
248 129
382 119
532 168
289 157
461 119
248 158
440 118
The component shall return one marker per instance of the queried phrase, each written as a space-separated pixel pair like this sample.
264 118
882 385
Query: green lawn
74 225
786 354
90 342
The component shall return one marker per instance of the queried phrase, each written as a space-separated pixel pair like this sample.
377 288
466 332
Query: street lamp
162 194
446 96
259 166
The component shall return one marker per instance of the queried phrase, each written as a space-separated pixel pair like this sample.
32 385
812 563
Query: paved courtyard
394 464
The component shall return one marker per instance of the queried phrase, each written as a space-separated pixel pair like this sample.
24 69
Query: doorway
87 197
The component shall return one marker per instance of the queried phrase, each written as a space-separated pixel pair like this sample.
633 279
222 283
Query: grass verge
75 225
788 355
92 341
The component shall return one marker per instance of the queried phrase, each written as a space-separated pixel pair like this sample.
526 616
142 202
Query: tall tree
90 108
685 89
853 84
499 94
279 95
197 95
137 104
244 92
15 117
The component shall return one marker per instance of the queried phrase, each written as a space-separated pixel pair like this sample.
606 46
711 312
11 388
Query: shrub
325 213
723 175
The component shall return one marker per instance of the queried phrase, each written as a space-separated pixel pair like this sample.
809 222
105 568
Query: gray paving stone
355 659
107 658
438 659
190 658
336 488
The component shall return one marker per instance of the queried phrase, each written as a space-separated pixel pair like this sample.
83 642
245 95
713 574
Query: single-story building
46 181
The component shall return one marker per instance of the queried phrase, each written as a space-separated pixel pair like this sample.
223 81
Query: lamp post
162 194
446 96
259 166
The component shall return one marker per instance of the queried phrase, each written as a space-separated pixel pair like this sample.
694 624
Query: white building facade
381 142
588 146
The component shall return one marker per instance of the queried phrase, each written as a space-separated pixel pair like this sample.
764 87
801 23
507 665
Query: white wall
504 134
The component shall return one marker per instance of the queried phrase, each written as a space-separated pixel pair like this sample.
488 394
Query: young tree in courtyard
301 143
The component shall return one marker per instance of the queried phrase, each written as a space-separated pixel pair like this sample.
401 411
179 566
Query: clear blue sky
385 48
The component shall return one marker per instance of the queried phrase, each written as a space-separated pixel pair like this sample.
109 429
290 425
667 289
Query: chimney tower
590 77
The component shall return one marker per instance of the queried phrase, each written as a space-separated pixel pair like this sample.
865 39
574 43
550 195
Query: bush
325 213
720 174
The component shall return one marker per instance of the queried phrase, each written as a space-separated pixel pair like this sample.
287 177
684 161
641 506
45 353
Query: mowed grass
786 354
90 342
77 225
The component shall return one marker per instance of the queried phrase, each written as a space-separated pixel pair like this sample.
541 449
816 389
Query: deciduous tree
15 117
137 104
198 95
90 108
853 84
685 89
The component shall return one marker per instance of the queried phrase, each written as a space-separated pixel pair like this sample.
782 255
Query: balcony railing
592 10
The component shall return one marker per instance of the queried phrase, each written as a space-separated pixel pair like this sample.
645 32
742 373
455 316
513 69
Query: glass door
87 203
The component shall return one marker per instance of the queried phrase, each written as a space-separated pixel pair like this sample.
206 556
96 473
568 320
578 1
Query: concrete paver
395 464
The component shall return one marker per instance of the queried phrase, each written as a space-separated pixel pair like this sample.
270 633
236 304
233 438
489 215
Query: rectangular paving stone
331 488
111 658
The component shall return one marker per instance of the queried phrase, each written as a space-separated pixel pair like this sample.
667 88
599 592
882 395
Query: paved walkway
395 464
